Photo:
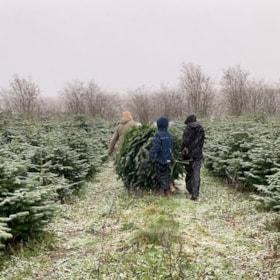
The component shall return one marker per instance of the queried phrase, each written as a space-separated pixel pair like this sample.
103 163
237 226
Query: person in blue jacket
161 153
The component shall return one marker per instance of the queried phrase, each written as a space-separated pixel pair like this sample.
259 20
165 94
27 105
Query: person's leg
195 179
171 182
188 178
163 177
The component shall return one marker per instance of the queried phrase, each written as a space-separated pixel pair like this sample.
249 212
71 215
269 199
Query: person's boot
167 194
172 187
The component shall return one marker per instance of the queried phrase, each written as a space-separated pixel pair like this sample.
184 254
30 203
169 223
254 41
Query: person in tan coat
125 123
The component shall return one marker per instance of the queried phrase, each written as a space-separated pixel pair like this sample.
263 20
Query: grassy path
107 234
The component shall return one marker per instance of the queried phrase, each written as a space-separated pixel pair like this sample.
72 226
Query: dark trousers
193 177
163 176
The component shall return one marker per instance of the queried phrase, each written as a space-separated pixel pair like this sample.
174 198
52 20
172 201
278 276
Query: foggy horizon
122 45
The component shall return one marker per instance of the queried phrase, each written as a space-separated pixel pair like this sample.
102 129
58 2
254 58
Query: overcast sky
124 44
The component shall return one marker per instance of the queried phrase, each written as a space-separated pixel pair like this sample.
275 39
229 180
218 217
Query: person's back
193 139
126 122
161 153
162 147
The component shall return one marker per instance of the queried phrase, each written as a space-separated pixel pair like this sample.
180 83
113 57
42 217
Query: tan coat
118 135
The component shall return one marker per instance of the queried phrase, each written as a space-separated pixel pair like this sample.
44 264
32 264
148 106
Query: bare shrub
198 89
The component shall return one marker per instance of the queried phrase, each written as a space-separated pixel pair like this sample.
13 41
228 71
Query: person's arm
155 148
186 140
201 137
113 141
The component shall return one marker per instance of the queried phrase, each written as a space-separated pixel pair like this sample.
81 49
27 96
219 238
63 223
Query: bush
269 196
41 162
25 205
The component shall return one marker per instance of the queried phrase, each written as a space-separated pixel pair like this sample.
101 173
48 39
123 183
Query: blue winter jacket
162 144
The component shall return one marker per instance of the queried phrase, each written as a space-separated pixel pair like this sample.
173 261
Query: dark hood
162 123
190 119
194 124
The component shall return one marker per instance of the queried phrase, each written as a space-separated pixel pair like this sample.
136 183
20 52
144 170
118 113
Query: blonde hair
127 114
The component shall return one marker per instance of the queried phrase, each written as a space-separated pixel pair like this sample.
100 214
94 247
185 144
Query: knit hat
127 115
162 123
190 119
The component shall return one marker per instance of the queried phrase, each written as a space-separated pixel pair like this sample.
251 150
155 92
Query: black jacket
193 140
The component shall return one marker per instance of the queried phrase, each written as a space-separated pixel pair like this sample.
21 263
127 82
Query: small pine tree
4 232
269 195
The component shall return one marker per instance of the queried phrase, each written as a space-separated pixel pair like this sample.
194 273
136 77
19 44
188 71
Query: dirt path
82 228
106 234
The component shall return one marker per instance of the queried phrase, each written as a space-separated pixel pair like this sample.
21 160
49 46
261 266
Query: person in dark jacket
161 153
193 140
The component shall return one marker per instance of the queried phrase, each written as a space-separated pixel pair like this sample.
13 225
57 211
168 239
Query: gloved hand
184 154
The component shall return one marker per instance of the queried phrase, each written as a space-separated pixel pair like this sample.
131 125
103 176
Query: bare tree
6 105
255 97
168 102
271 102
89 99
141 104
234 86
100 103
178 105
73 95
50 106
198 89
113 107
94 99
22 97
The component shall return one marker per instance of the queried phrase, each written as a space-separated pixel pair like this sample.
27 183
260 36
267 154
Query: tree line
236 94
